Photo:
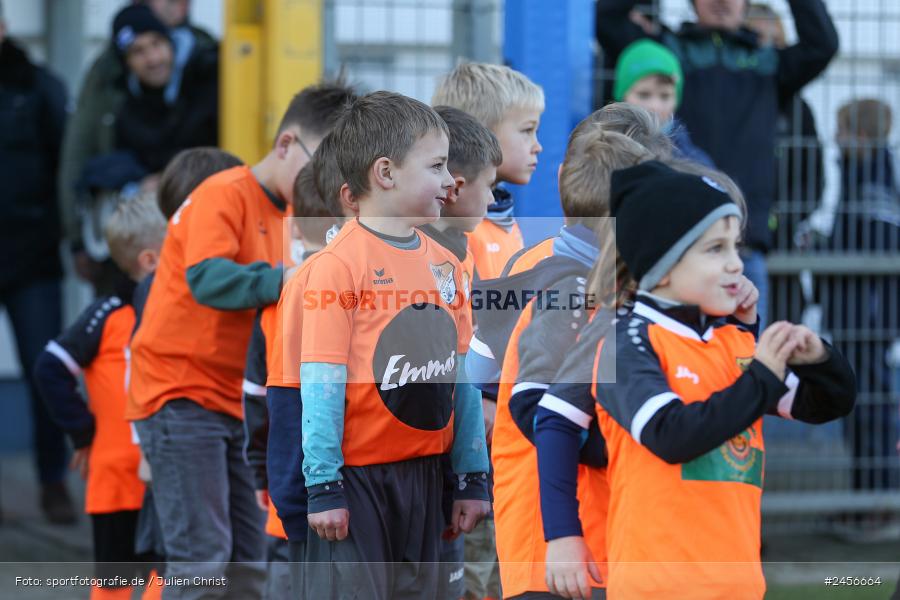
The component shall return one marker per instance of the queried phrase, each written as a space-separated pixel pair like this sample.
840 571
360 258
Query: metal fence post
474 29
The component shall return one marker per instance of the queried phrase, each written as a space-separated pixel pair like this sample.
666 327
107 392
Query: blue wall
551 42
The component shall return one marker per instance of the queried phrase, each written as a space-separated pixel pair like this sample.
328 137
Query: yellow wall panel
271 49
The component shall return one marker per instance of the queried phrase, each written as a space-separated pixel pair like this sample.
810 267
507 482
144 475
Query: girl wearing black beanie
682 385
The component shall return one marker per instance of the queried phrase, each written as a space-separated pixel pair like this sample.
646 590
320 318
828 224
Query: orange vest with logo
492 246
521 548
692 529
398 320
184 349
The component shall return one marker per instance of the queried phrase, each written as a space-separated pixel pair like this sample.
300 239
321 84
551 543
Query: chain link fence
835 262
405 45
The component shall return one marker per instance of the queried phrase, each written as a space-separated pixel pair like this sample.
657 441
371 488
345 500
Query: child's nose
448 181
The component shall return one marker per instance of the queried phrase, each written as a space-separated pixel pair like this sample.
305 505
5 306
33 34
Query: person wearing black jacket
731 93
32 115
170 103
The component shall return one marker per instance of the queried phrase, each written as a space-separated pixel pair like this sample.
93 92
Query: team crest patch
443 278
738 460
744 363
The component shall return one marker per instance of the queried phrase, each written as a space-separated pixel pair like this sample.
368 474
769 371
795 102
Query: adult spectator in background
644 14
91 131
732 89
168 107
867 221
32 114
799 168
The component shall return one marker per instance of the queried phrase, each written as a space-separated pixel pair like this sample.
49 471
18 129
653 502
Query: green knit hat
642 58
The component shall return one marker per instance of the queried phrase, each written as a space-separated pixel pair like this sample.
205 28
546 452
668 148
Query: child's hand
569 562
262 499
80 460
775 346
810 349
748 299
467 514
489 408
331 525
144 472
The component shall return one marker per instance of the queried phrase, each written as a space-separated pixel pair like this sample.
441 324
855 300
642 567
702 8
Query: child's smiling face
709 273
422 181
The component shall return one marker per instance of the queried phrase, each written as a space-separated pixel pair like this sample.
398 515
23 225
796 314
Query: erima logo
493 247
380 279
410 373
685 373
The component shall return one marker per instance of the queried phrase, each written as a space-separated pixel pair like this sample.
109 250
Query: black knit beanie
660 213
132 21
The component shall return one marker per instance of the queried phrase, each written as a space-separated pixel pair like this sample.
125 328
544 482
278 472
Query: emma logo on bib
415 366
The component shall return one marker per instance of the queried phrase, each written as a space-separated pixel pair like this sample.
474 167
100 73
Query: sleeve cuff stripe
476 345
254 389
526 386
786 402
561 407
59 352
650 407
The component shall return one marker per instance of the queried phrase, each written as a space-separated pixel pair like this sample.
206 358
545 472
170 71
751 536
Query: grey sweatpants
393 548
203 494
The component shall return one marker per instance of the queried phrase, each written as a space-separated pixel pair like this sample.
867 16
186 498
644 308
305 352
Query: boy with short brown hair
368 296
219 263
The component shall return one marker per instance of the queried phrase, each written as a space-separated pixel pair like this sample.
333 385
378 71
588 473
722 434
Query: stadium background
403 45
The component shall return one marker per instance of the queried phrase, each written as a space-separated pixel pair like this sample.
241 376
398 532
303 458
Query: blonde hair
488 92
610 283
629 119
584 178
135 226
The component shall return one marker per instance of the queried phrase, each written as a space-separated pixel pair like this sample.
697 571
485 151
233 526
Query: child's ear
148 260
296 233
453 193
348 202
383 172
283 143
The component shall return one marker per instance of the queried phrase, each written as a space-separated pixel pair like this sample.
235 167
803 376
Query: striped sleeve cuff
650 407
563 408
254 389
62 354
